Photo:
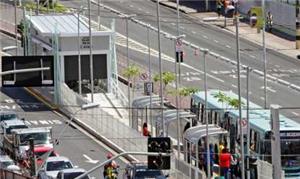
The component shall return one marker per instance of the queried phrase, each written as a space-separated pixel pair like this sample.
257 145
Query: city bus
226 116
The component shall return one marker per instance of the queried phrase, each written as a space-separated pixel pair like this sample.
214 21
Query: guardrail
6 174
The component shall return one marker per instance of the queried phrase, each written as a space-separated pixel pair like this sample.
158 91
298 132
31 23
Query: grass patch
57 7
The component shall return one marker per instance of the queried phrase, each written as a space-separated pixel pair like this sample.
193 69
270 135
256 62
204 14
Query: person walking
233 165
224 163
219 7
211 157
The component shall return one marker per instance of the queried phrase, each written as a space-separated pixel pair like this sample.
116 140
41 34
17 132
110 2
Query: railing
6 174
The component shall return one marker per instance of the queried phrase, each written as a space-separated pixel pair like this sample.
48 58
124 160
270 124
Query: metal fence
5 174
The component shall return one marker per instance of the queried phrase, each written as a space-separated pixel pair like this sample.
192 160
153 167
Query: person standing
224 163
269 21
146 132
219 7
233 165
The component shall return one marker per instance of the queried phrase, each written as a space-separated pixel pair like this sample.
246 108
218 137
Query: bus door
216 118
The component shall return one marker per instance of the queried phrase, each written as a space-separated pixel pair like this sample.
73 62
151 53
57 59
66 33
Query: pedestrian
224 163
216 154
146 132
233 165
219 7
269 21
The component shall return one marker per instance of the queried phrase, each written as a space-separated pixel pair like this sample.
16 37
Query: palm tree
222 97
235 103
131 73
167 78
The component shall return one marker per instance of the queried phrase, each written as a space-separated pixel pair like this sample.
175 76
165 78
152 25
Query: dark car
140 171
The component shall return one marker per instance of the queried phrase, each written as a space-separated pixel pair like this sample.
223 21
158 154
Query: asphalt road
80 148
221 75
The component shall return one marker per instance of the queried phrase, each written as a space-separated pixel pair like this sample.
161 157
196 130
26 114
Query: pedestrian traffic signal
159 145
179 57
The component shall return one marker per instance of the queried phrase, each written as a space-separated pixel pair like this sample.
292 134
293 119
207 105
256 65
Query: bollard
297 35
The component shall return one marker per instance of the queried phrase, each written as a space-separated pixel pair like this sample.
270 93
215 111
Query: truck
17 144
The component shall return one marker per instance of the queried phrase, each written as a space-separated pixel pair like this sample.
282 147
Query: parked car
53 165
71 173
141 171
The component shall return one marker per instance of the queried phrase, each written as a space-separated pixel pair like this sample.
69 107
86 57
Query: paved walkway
273 42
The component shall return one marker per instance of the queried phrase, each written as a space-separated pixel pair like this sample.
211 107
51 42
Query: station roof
64 25
194 134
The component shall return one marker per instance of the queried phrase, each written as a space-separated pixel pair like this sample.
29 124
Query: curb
174 6
86 127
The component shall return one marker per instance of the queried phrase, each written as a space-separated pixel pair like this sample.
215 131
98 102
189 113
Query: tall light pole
127 17
264 52
91 55
160 67
99 24
177 90
239 94
205 52
16 27
78 46
248 122
150 76
178 33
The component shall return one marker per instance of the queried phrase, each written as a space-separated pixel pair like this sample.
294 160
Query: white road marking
262 98
277 66
181 27
269 89
228 46
216 41
173 24
4 107
27 123
193 32
204 36
131 6
252 56
43 122
139 9
296 114
13 107
34 122
147 12
234 86
55 121
89 159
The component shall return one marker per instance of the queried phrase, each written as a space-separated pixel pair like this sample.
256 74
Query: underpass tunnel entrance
99 73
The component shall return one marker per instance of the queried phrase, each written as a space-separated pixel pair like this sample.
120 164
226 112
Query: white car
53 165
71 173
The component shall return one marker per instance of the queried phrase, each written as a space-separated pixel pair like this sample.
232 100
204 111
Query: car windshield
58 165
74 175
39 138
6 164
8 130
5 117
146 173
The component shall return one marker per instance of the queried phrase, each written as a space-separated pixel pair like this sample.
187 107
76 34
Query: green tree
235 103
132 72
167 78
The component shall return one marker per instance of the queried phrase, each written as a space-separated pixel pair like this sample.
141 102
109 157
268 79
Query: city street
221 75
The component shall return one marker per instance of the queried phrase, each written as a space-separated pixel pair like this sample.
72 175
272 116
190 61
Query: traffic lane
250 53
74 144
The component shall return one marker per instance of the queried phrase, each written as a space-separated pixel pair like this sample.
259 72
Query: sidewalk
283 46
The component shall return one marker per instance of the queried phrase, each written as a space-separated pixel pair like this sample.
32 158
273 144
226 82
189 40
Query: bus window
216 118
209 115
202 112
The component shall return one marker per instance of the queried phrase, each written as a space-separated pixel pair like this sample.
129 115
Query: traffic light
179 57
159 145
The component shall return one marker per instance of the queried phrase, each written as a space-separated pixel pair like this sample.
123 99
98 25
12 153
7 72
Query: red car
39 152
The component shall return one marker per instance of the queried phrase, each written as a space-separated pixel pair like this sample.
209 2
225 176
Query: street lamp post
205 52
83 107
177 101
160 67
127 17
16 29
264 52
99 24
239 96
91 55
79 54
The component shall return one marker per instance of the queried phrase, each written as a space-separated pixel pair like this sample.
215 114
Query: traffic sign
144 76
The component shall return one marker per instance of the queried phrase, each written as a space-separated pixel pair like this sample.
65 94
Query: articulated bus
227 117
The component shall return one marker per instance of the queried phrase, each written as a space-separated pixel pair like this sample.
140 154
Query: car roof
57 158
14 122
4 158
73 170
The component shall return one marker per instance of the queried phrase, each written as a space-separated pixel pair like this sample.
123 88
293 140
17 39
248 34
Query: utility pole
205 52
99 24
150 76
264 51
32 158
160 68
239 94
91 55
297 25
248 123
79 54
16 27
